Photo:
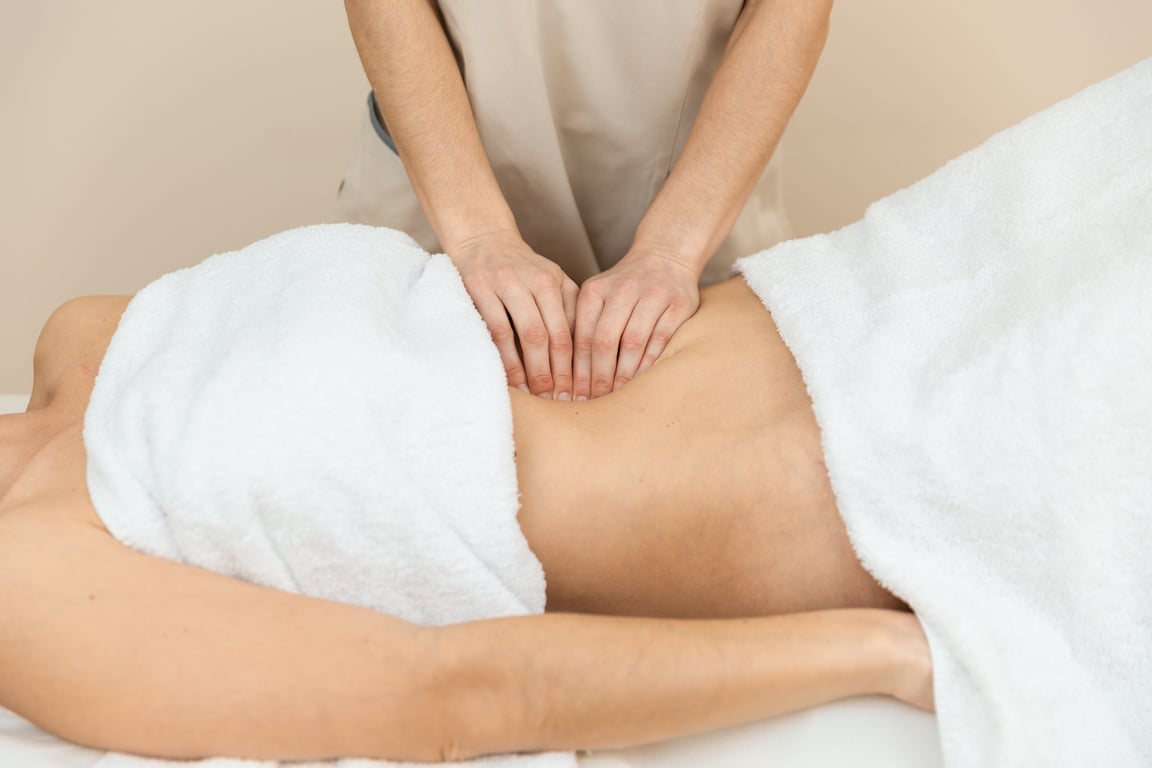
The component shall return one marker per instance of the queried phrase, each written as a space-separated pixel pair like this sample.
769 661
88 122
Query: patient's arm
118 650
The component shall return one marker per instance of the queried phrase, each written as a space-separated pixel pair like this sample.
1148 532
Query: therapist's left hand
625 317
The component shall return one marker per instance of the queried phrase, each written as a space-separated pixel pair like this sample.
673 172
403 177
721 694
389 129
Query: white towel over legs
978 349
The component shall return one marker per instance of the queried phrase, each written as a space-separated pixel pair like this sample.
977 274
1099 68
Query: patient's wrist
908 676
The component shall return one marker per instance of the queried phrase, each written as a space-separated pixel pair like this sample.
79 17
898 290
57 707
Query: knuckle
627 284
593 286
604 342
601 384
542 281
534 333
514 372
506 275
560 341
622 379
500 332
476 283
583 345
633 341
540 382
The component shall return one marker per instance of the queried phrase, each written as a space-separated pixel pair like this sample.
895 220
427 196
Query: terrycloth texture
979 354
321 412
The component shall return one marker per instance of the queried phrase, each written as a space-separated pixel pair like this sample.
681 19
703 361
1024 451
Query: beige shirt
583 106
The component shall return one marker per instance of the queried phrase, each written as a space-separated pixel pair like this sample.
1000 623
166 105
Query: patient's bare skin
696 491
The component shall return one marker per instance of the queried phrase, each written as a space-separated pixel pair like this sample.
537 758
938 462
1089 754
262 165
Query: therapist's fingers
636 339
533 334
589 305
606 342
495 316
570 293
551 306
668 324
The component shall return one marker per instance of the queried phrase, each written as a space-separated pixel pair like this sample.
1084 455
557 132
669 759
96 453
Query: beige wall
137 137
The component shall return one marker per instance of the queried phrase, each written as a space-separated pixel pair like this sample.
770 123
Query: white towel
321 412
979 354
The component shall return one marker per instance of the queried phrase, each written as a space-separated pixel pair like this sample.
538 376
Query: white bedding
861 733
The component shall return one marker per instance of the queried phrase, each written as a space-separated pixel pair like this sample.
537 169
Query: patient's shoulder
74 338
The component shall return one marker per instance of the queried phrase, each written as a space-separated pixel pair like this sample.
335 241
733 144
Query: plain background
138 137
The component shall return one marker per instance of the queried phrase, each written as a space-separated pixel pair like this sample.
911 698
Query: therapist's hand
625 317
521 294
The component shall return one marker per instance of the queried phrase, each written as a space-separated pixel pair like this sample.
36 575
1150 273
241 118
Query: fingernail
525 390
564 396
581 398
546 395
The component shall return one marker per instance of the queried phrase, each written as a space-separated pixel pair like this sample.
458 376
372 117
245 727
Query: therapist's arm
626 315
120 651
421 96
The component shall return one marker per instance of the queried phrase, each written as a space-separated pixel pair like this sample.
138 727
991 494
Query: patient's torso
698 490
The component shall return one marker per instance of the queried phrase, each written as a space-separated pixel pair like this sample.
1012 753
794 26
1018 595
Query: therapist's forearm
766 68
421 96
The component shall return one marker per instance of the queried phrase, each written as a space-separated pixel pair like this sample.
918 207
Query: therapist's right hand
521 294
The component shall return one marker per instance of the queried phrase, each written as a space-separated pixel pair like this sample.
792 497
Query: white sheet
861 733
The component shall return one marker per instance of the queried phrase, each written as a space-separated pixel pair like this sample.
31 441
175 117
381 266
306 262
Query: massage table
860 733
